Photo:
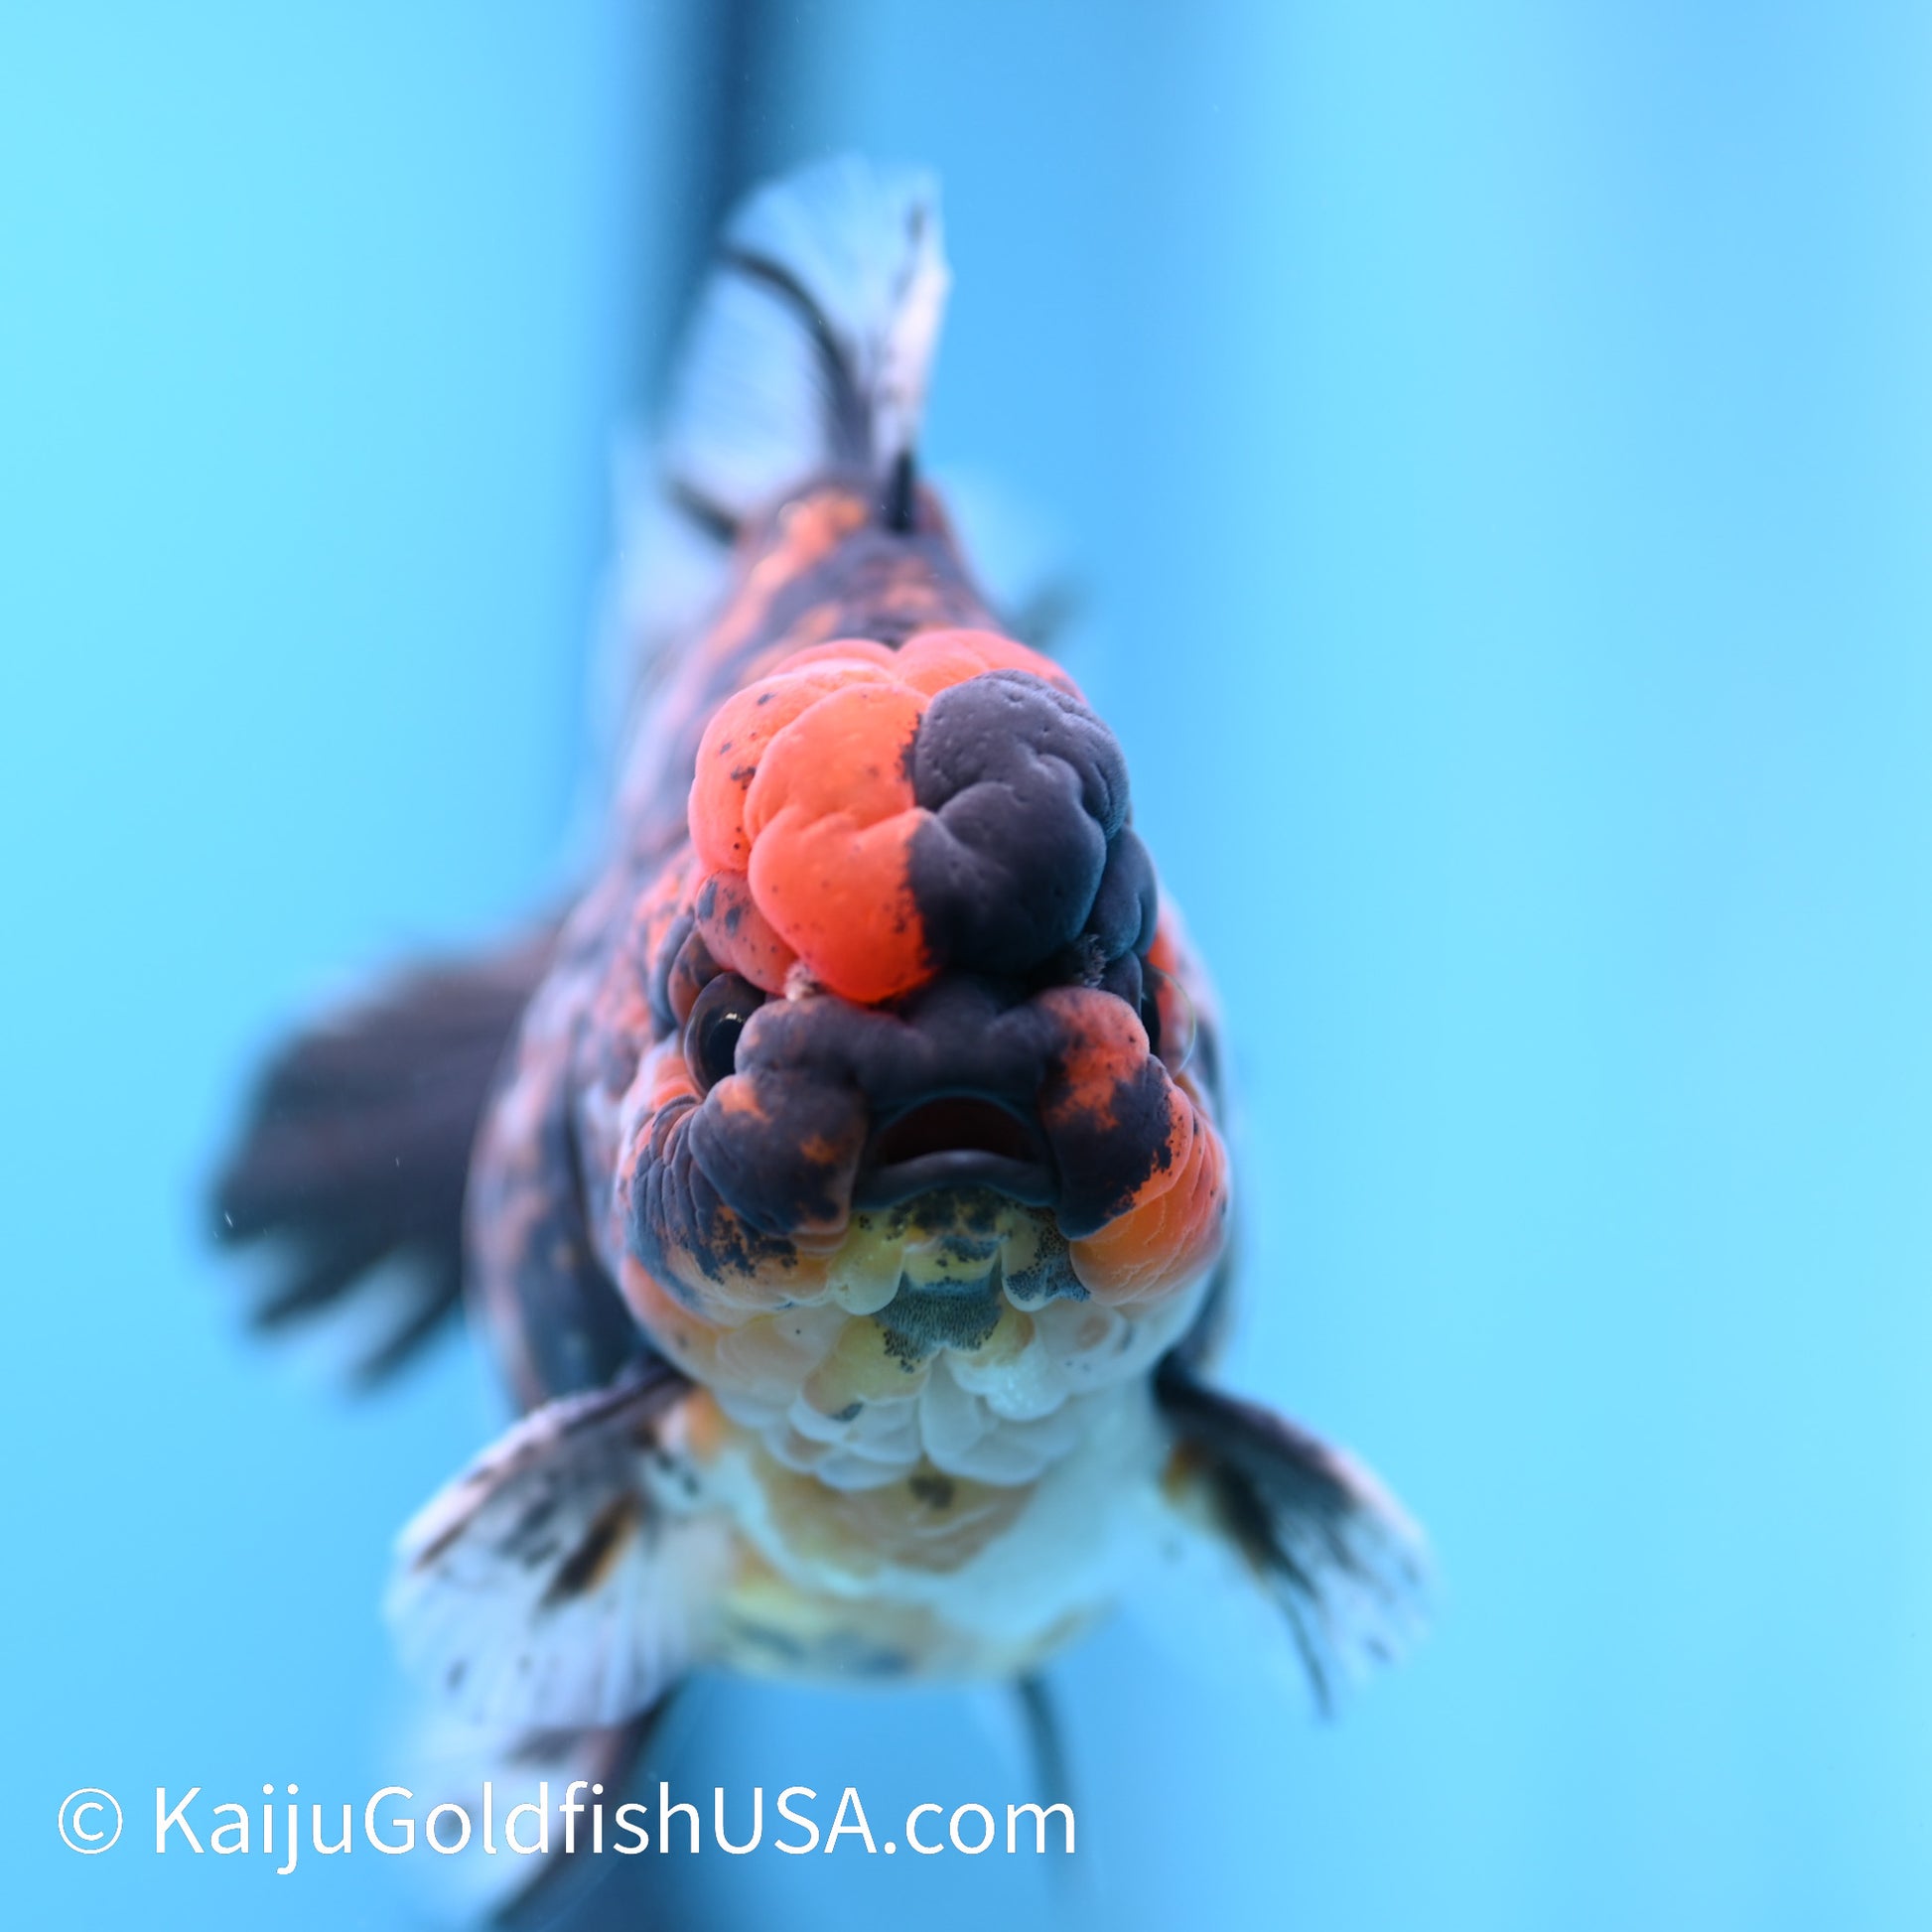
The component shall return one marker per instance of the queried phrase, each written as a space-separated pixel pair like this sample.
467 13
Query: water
1496 454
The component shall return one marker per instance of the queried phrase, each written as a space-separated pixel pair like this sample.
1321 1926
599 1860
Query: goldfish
839 1184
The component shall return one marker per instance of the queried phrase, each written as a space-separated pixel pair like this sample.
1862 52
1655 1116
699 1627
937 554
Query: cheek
759 1362
1174 1232
1108 1110
666 1083
685 1309
682 1335
1103 1052
686 1247
780 1148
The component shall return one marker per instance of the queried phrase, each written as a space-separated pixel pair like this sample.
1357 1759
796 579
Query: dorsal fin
812 340
807 354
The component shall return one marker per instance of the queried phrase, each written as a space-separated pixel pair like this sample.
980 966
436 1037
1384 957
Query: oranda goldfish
840 1185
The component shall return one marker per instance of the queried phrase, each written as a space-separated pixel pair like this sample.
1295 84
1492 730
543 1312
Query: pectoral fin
564 1579
1335 1550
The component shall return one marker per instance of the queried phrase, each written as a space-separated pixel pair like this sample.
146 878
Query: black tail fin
1333 1548
356 1150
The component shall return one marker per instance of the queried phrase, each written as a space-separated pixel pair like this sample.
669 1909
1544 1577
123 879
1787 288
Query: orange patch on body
737 932
1163 952
802 815
1172 1230
808 532
935 660
831 820
740 1097
1109 1047
735 743
687 1340
1172 1233
669 1077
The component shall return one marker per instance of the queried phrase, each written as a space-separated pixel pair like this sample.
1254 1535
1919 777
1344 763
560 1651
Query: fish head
924 1060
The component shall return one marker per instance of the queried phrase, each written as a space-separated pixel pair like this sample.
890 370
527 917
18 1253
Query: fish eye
717 1019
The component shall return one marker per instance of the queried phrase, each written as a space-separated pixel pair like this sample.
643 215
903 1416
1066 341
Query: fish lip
1032 1184
1023 1170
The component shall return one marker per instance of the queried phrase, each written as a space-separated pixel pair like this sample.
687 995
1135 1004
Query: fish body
840 1183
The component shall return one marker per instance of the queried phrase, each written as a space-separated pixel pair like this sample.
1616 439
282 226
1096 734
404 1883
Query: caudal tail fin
807 356
812 340
354 1158
1337 1553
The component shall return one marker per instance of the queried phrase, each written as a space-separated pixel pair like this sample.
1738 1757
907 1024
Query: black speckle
933 1488
907 1352
931 1318
590 1563
1049 1274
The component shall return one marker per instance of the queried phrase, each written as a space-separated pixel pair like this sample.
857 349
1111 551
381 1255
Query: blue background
1496 444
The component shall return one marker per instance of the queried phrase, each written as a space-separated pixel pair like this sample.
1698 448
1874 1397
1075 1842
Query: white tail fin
812 338
808 355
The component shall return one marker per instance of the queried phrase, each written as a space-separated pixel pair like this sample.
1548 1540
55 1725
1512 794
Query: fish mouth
956 1139
947 1250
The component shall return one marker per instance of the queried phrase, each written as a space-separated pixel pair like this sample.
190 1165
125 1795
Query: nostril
956 1124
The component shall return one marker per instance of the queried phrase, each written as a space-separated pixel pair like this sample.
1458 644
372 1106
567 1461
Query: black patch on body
1047 1276
1028 849
1027 875
681 954
726 1185
590 1563
922 1320
885 584
1106 1155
